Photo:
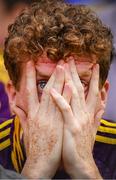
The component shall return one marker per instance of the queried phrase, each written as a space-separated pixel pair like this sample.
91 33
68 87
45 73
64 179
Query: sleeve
7 174
12 152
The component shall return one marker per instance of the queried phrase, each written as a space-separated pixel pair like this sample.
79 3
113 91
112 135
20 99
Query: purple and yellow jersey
12 154
4 103
104 151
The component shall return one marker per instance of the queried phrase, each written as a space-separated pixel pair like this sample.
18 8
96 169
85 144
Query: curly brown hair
59 29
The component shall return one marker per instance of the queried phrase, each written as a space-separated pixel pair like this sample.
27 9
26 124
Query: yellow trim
4 133
14 160
106 140
5 144
107 130
17 154
107 123
18 130
7 122
13 154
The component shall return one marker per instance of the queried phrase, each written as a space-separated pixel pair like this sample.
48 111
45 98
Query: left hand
80 122
43 125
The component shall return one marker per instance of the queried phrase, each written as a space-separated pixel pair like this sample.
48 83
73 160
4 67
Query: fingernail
59 69
70 58
61 62
97 66
29 64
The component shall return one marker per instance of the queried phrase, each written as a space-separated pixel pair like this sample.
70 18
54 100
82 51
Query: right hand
43 127
80 122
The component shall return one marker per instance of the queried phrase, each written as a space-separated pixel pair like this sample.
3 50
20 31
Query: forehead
45 66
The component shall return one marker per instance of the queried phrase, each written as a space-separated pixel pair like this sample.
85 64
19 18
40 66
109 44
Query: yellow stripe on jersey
107 130
5 144
4 133
7 122
107 123
106 140
17 153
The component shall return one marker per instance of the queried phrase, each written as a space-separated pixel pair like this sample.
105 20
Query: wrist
37 169
85 170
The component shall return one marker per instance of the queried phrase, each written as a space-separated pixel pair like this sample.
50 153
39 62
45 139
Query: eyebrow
45 70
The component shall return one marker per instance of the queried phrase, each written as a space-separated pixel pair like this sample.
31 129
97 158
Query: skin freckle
48 143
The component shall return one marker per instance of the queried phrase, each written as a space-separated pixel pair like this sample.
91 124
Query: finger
32 96
76 81
67 93
68 78
63 106
58 86
98 117
46 93
93 93
59 79
56 81
75 101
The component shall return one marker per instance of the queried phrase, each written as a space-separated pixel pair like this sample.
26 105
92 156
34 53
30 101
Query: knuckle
30 90
74 92
86 121
84 124
76 129
80 89
96 92
58 98
66 108
81 98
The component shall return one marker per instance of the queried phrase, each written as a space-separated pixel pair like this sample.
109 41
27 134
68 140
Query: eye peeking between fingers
41 84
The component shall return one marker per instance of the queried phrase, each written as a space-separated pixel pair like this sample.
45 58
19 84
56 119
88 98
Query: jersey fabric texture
7 174
12 153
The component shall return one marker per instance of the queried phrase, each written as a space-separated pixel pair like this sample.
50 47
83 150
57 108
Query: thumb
21 115
98 117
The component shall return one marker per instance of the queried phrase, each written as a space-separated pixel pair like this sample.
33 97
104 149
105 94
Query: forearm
37 169
86 170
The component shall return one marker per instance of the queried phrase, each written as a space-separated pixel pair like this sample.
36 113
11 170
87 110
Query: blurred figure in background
9 9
